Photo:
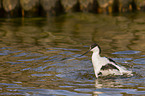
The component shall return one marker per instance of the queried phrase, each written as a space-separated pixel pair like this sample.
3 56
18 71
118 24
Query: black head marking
94 45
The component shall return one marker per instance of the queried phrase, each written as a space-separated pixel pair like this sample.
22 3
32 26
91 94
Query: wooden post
51 7
140 4
9 8
105 6
70 5
84 5
30 8
124 5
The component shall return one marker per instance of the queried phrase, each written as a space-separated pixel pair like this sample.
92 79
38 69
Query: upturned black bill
84 53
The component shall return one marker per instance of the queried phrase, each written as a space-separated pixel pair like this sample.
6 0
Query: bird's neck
95 55
96 62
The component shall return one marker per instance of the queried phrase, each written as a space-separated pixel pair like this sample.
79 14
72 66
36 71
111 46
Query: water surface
32 49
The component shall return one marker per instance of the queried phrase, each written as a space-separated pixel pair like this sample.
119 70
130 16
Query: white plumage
105 66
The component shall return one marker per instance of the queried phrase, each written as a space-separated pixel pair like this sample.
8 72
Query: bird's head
94 48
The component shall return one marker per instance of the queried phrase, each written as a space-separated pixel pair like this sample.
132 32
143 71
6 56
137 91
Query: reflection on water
32 53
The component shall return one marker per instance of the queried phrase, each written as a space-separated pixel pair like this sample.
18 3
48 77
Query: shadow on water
39 56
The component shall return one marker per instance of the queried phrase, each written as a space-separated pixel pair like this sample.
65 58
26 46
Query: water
32 49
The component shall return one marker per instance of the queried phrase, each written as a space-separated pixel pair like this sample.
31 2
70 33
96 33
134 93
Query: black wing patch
111 60
109 66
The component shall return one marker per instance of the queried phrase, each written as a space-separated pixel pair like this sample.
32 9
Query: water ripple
40 75
127 52
139 61
33 59
7 52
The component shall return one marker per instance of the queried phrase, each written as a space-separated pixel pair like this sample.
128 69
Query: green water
32 49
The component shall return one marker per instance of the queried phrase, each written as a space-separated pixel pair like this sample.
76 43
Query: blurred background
35 8
36 36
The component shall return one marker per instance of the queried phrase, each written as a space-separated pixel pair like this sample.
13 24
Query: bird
104 66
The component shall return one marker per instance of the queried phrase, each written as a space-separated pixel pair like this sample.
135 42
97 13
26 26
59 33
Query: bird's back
109 67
